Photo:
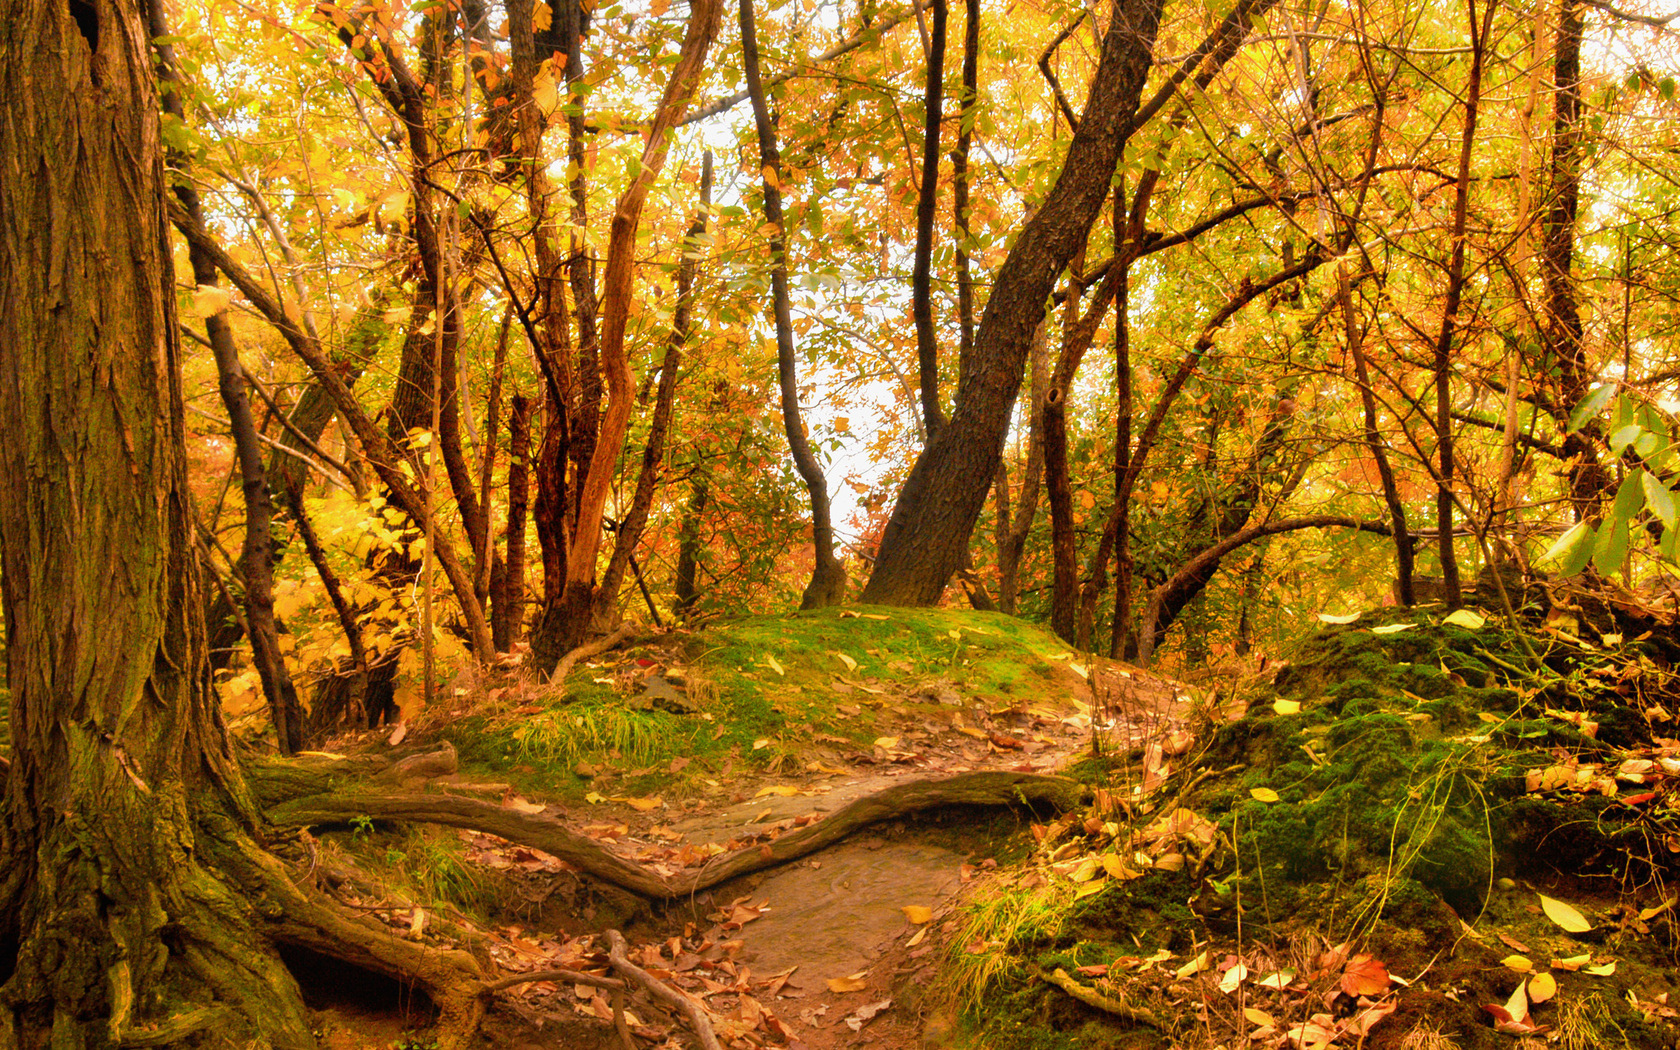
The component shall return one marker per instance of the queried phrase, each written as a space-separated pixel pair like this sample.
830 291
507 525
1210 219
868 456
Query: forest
434 426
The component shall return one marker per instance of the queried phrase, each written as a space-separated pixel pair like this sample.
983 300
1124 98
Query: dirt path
839 948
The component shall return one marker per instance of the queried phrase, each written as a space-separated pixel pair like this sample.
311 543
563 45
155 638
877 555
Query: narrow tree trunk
653 453
508 621
828 578
688 545
927 206
256 562
1479 29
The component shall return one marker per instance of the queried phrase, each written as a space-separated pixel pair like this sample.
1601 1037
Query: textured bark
688 544
828 578
110 919
927 206
960 207
936 511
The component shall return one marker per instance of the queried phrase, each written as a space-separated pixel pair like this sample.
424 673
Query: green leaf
1590 406
1623 437
1611 547
1571 551
1670 545
1658 498
1629 499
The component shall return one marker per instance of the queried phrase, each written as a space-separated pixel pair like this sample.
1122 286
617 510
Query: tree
136 901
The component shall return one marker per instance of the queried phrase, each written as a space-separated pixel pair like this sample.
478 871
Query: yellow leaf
1541 986
784 790
1263 794
1287 707
917 939
1519 963
917 913
851 664
542 16
1564 915
846 984
771 179
1086 871
1116 867
1337 618
774 666
1466 618
761 743
1090 889
888 742
1601 970
1195 966
1392 628
1259 1017
642 805
209 300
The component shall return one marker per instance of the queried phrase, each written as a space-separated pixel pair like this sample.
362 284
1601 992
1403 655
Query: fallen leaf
917 913
1392 628
1263 794
1364 975
1230 979
1513 944
1564 915
1519 963
851 664
1278 979
1338 617
1465 618
785 790
1601 969
886 742
1195 966
1367 1019
847 984
1259 1017
1574 962
774 666
917 939
1541 986
761 743
1287 707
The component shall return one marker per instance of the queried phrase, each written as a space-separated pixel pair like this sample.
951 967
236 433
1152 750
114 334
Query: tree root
1108 1004
591 649
546 833
695 1012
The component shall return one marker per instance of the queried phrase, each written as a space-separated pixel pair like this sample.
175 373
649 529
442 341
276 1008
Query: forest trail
840 947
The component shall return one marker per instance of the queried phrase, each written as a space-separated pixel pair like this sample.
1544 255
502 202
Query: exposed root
541 831
591 649
695 1013
1108 1004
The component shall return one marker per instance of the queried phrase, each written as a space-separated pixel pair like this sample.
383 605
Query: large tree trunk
116 745
927 535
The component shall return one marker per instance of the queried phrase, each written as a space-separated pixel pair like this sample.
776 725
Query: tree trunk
564 625
116 744
508 621
927 205
936 510
828 578
256 561
653 453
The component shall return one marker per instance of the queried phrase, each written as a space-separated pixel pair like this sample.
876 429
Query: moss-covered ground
1412 788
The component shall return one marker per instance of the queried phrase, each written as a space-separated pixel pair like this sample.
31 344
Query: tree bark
828 578
936 510
115 921
508 620
927 206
